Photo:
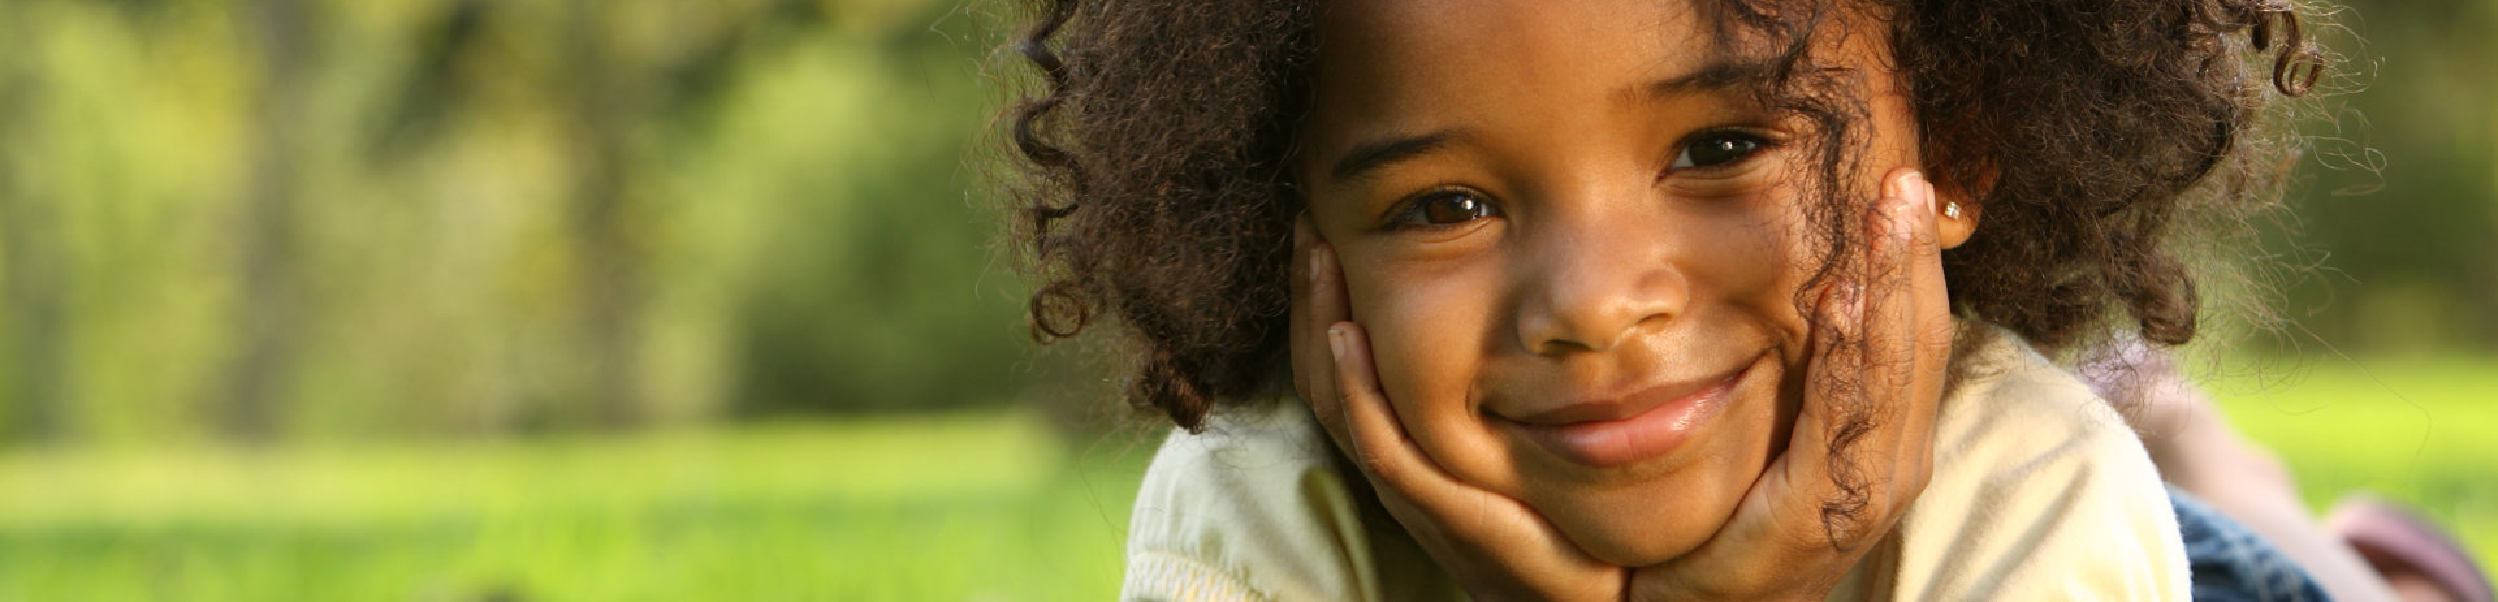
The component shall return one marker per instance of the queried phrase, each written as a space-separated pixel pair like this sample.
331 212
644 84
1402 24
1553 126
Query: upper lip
1599 408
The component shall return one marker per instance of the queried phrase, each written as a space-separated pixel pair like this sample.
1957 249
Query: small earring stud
1951 209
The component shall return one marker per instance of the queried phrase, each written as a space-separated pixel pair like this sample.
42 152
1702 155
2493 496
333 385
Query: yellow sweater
2039 492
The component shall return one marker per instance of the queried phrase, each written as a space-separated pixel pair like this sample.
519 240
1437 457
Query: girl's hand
1863 444
1494 546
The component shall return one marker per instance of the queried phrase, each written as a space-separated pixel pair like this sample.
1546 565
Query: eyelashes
1446 207
1442 208
1718 147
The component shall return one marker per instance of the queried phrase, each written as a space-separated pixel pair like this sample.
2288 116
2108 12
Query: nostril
1592 328
1592 321
1556 347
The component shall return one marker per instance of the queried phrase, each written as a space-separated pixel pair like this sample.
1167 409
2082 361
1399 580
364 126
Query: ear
1961 198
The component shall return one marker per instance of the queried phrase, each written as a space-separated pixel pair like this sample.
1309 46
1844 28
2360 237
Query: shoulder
1256 508
2039 487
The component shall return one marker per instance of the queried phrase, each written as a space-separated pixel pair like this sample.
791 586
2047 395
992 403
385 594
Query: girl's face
1576 249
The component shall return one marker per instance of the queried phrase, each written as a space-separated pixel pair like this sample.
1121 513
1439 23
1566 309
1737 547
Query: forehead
1616 33
1407 64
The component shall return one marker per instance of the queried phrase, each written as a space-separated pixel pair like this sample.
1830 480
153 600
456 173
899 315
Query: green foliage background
779 213
463 217
467 298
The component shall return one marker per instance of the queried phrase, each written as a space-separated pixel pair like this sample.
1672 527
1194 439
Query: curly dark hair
1156 191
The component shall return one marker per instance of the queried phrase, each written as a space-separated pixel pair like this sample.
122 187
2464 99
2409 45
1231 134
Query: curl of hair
2097 132
1155 191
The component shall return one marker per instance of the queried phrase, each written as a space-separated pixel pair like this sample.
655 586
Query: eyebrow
1371 155
1714 76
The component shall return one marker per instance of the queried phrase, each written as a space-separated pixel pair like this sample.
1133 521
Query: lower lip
1612 443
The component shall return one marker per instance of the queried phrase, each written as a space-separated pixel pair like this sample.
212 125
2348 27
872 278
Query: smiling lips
1612 433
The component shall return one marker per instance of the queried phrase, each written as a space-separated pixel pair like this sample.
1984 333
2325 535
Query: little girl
1642 299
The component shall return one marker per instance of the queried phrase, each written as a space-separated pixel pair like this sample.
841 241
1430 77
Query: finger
1847 442
1934 334
1298 319
1880 451
1908 339
1380 444
1890 326
1382 447
1436 505
1325 306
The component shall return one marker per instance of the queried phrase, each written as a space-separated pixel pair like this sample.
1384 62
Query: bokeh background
642 299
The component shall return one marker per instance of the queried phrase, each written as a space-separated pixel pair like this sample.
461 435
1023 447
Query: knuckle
1378 465
1935 337
1936 332
1923 242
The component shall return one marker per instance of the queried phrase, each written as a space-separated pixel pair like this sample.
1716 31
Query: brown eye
1446 208
1718 147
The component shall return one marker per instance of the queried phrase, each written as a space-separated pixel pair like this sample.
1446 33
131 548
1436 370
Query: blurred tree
263 366
873 249
33 268
886 297
2403 224
602 97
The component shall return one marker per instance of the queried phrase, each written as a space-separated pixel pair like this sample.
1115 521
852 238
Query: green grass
972 508
983 507
2423 431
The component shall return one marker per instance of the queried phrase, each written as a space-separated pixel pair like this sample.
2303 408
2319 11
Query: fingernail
1335 341
1317 260
1898 187
1851 298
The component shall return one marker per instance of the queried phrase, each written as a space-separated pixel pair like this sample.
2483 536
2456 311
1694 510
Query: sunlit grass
2418 430
981 507
974 507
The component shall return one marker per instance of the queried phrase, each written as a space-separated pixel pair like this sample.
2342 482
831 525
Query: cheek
1425 322
1754 260
1426 331
1745 261
1430 331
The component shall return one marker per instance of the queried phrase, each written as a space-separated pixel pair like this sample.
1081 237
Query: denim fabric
2232 564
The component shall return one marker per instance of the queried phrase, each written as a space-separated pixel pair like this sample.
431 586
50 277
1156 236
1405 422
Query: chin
1652 516
1646 525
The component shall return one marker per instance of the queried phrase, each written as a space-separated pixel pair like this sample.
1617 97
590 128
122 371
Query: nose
1592 281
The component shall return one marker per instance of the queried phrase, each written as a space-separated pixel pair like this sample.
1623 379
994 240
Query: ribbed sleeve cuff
1163 577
